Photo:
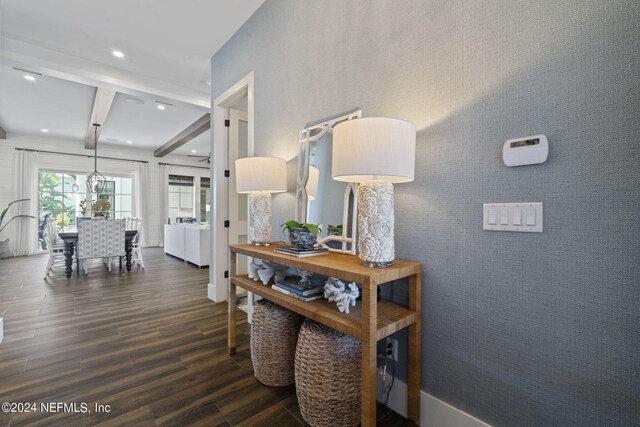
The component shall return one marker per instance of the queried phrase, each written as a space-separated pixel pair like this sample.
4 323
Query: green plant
63 219
312 228
4 212
334 229
50 200
83 207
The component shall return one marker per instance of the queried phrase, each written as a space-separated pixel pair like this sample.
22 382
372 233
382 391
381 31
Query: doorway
229 217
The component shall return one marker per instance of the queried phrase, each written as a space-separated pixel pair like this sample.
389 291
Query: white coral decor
261 270
343 295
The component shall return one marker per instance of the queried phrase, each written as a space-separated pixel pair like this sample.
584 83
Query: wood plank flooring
148 343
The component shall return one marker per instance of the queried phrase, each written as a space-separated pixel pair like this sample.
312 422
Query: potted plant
101 208
301 235
5 252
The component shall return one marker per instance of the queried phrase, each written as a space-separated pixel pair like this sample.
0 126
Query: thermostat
529 150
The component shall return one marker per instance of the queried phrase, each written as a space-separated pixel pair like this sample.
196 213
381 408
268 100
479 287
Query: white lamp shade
374 148
312 183
261 174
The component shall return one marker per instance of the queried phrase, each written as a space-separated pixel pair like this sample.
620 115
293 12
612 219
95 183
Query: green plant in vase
301 235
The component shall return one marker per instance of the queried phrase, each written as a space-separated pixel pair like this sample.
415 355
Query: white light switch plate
522 217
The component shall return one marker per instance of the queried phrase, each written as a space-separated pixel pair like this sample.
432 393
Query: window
181 200
205 199
59 196
62 195
122 196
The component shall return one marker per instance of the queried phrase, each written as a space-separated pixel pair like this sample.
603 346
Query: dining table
69 236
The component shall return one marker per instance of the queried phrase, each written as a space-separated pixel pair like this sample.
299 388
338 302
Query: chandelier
95 181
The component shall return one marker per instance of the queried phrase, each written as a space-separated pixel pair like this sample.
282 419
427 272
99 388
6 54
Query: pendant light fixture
95 181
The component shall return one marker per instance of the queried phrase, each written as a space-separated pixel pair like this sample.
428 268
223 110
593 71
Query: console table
369 321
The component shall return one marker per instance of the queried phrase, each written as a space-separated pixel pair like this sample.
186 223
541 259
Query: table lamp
375 152
259 177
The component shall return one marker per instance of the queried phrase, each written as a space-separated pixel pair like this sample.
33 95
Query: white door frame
219 254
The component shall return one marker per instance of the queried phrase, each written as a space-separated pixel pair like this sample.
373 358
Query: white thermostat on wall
529 150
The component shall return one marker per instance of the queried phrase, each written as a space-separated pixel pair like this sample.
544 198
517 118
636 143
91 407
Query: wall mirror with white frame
319 198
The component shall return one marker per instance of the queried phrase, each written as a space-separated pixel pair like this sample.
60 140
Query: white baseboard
433 411
211 292
1 329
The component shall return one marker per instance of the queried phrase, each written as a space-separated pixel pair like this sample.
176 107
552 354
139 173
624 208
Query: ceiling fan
202 158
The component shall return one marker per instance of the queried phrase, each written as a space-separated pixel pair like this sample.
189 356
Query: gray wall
519 329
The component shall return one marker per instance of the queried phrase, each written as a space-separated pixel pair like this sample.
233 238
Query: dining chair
100 239
136 250
55 248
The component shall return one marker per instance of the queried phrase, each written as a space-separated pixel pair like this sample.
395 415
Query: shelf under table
391 316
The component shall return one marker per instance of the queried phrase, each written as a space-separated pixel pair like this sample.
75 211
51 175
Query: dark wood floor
147 343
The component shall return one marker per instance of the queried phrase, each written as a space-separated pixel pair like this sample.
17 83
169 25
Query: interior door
238 148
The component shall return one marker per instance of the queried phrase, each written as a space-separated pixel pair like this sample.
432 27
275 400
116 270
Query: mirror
320 199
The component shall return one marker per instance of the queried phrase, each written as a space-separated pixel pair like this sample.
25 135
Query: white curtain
162 200
26 229
142 201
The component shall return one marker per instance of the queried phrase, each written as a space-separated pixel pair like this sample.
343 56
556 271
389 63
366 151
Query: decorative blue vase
302 238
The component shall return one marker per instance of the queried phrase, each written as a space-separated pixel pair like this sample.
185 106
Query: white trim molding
220 185
433 411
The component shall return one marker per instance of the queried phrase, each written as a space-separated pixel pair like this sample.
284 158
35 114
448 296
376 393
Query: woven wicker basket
328 376
274 334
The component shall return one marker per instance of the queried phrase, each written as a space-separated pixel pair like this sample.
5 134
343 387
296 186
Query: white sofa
189 242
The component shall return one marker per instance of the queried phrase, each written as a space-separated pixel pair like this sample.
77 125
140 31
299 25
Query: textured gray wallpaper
519 329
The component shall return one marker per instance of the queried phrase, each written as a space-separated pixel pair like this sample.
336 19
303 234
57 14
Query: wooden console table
369 321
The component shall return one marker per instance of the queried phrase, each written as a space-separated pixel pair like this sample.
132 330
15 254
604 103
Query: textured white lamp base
375 223
260 218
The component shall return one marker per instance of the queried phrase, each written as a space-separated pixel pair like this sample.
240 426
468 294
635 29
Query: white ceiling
60 106
167 46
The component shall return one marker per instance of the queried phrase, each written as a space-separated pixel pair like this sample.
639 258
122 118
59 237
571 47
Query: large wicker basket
274 334
328 376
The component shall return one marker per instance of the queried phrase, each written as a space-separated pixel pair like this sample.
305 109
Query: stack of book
306 292
301 253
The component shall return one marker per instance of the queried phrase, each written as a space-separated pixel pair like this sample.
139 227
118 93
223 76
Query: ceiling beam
3 133
194 129
101 106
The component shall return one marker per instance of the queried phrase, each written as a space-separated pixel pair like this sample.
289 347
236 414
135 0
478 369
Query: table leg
68 258
127 248
368 363
415 303
231 326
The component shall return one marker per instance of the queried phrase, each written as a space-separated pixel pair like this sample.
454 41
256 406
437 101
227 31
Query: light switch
493 217
517 216
504 216
531 217
520 217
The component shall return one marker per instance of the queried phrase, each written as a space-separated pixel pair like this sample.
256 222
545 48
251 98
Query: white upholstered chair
100 239
55 248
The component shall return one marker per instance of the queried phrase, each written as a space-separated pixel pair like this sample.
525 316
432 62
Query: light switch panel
522 217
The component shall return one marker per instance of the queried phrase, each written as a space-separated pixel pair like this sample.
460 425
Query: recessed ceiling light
163 105
129 142
136 101
193 151
29 77
44 130
118 54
